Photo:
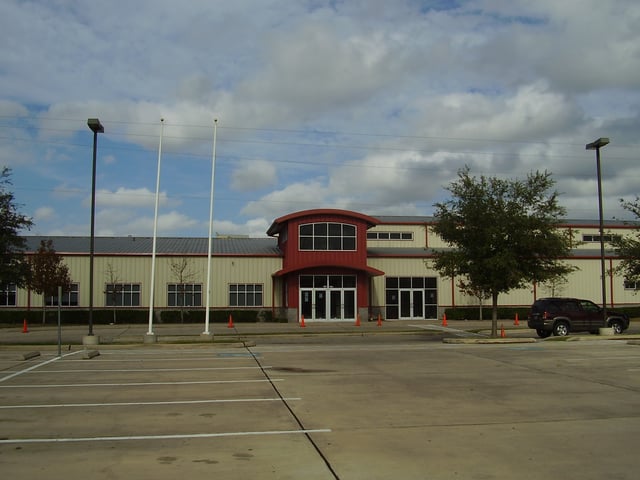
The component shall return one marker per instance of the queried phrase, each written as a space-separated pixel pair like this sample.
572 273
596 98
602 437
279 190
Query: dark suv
563 315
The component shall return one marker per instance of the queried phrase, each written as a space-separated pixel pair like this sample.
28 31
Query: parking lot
353 409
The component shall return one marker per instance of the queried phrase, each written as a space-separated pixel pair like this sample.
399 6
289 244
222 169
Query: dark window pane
335 229
306 229
320 243
392 297
320 229
348 243
349 231
335 243
306 243
349 281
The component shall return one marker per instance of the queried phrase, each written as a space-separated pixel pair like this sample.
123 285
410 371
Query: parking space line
454 331
162 437
129 404
139 384
97 370
33 367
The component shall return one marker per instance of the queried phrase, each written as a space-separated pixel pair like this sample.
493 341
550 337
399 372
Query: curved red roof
278 223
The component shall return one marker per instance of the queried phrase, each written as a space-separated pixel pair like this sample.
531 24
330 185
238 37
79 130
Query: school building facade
325 264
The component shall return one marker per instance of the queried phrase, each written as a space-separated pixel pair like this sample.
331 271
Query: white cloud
253 175
126 197
343 104
44 214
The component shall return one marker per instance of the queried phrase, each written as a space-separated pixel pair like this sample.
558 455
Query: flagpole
155 234
213 170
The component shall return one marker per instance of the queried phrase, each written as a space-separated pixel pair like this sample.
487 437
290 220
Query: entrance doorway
411 304
328 297
411 298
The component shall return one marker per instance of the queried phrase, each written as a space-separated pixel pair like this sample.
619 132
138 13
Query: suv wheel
617 326
543 333
561 329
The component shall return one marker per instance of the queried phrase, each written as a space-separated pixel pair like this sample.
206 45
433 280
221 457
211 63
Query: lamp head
601 142
95 125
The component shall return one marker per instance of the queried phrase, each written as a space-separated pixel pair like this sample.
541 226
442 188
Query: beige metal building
325 264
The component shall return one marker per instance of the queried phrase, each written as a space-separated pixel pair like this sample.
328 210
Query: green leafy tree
503 234
628 247
14 267
48 272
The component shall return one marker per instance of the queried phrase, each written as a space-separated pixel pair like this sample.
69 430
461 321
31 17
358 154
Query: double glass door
411 304
328 297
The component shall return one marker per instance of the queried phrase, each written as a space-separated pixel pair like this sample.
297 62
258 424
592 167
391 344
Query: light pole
597 145
96 127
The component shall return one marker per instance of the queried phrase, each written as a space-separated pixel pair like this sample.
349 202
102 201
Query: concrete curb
483 341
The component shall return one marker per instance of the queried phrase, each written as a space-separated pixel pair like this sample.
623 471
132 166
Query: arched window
327 236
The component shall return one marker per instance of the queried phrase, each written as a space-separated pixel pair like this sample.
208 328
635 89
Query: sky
364 105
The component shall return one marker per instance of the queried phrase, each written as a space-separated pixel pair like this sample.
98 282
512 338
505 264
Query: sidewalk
192 333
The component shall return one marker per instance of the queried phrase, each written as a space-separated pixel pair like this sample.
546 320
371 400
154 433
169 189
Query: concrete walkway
177 333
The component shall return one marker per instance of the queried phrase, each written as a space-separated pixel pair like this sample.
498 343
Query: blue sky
367 105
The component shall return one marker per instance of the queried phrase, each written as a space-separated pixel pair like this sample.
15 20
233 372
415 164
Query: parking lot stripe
98 370
161 437
33 367
128 404
139 384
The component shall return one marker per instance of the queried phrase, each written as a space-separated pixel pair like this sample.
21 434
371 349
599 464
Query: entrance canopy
372 272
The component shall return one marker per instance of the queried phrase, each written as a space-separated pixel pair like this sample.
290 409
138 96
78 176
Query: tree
183 274
48 272
628 247
503 234
14 267
114 288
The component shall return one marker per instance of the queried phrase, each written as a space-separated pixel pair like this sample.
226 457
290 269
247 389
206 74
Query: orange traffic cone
230 322
25 328
502 332
379 320
444 320
358 321
302 321
516 321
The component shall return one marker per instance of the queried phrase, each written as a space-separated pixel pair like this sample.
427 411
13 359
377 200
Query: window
596 238
390 235
8 295
245 295
69 299
411 297
631 285
122 295
327 236
184 295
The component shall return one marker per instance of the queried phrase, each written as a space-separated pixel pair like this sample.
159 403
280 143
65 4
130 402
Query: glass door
411 304
321 305
405 304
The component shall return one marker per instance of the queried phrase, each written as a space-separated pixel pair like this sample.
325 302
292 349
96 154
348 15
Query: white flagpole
155 234
213 172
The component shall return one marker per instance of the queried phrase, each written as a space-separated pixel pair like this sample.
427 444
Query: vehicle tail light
546 316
